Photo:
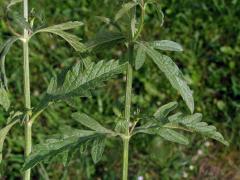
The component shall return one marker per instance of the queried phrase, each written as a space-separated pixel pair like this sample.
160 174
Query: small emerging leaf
125 8
98 149
166 45
159 11
121 126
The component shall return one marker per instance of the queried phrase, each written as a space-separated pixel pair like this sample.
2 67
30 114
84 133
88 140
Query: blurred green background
209 31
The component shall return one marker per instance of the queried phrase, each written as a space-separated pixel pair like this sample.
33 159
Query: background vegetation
209 31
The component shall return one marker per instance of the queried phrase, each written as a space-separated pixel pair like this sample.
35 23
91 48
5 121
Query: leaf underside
60 29
58 144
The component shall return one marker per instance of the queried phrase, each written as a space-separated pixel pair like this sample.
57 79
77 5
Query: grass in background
209 31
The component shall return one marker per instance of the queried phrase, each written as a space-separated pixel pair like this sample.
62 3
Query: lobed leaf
193 123
173 74
90 122
98 149
58 144
166 45
189 123
76 82
125 8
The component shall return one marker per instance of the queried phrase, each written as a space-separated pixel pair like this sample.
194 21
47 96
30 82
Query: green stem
128 95
127 115
125 159
27 97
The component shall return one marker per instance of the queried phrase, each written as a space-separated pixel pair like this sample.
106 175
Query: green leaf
58 144
189 119
218 137
173 74
104 38
157 7
59 30
76 82
140 58
164 110
13 2
89 122
4 100
125 8
3 133
160 13
121 126
21 21
61 27
98 149
171 135
194 124
166 45
4 49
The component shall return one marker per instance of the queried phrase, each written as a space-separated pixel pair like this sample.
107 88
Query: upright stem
127 114
125 159
27 97
128 96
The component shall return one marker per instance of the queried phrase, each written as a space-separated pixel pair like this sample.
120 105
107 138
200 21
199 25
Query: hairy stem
125 159
128 95
127 116
27 97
